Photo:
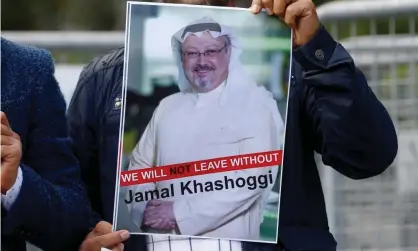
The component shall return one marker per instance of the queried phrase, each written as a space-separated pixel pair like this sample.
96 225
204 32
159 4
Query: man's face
205 61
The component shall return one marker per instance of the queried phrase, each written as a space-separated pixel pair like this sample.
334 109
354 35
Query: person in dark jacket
42 197
331 111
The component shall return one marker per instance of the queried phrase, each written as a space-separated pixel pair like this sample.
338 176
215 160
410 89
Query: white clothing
189 244
188 127
10 197
176 243
238 117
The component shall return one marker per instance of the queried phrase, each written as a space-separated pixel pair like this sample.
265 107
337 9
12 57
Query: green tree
31 15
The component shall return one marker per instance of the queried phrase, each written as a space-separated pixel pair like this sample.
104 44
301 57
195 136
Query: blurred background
380 213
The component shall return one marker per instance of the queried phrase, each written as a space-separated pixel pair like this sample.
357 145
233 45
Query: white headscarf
237 77
235 67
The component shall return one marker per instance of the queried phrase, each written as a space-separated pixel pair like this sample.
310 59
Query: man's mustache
203 68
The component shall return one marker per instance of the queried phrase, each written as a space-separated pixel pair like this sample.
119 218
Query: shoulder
259 95
103 75
172 99
108 62
26 60
261 103
169 102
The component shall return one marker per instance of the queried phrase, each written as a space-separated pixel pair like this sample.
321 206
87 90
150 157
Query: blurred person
225 113
43 201
331 111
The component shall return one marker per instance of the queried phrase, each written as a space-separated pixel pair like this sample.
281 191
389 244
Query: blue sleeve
52 210
350 127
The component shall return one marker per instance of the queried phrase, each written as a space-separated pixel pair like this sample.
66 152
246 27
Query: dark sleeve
52 210
350 126
82 124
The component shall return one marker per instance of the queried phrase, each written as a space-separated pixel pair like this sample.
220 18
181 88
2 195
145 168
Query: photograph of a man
220 111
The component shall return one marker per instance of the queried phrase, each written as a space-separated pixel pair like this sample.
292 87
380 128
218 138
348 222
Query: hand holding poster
208 162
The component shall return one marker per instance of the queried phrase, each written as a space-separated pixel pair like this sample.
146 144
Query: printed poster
202 136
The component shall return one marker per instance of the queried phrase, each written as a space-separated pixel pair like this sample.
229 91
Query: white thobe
160 243
191 126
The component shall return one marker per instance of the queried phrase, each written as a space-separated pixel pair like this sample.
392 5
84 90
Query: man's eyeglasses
208 53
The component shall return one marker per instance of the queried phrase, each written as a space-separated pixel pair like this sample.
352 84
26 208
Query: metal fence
380 213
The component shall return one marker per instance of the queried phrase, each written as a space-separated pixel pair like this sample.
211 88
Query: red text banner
201 167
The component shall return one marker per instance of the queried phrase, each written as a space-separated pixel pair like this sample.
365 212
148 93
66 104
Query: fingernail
125 235
269 12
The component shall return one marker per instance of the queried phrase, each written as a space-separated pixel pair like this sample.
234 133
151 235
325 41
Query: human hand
103 237
159 215
11 154
300 15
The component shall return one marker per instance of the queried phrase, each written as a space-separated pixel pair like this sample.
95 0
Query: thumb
113 239
102 228
256 6
4 119
154 203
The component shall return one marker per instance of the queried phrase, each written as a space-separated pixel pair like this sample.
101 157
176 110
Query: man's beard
204 84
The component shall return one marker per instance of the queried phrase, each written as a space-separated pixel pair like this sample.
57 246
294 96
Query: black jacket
331 111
